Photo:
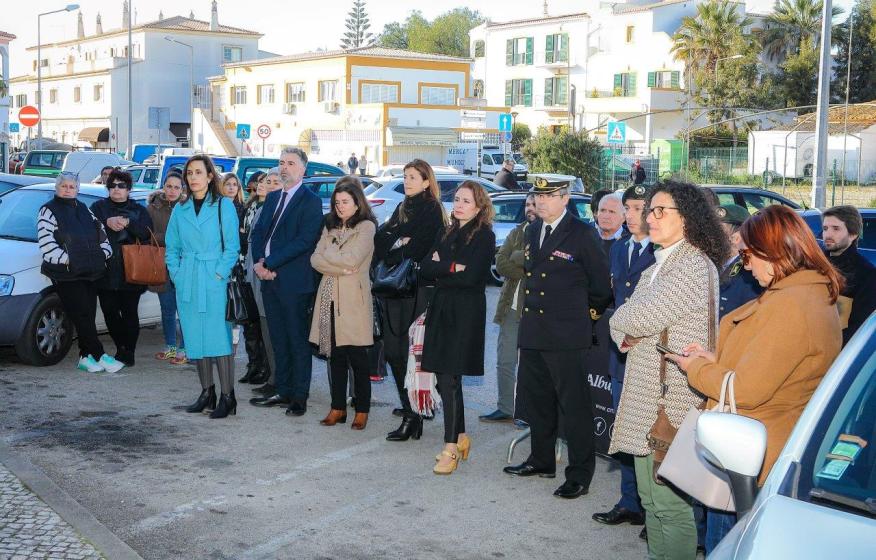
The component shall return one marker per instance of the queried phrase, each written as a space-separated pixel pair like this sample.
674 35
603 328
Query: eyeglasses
659 211
542 196
745 256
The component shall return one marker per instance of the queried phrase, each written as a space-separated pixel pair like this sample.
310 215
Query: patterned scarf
325 316
420 384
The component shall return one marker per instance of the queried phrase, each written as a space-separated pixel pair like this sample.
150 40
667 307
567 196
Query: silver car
385 193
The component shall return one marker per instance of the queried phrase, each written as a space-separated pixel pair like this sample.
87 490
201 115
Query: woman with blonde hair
455 322
408 234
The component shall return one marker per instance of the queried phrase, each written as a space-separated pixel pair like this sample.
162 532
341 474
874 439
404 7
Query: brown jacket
780 346
159 210
354 325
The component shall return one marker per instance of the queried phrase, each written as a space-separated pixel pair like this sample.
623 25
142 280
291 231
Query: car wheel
48 334
494 273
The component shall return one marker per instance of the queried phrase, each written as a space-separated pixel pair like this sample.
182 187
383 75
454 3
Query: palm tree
710 35
792 24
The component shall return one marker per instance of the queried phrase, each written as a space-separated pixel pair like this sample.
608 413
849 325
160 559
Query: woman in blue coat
202 247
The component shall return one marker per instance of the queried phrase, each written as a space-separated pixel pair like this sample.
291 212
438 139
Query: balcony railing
616 92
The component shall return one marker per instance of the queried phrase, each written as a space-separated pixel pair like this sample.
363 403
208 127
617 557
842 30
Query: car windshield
18 213
508 211
498 159
518 158
868 236
839 465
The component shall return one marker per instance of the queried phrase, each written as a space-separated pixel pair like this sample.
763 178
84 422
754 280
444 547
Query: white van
88 164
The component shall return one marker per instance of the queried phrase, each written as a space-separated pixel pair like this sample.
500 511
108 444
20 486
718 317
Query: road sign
473 114
159 118
29 115
473 124
617 133
506 136
264 131
471 136
243 131
505 122
14 127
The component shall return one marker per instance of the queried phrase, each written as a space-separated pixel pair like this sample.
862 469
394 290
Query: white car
385 193
398 170
819 500
33 319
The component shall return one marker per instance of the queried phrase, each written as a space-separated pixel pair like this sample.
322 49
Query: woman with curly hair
674 304
455 321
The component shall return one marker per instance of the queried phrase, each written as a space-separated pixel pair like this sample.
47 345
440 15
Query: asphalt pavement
264 485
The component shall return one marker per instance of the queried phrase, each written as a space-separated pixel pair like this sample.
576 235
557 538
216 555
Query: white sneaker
87 363
110 364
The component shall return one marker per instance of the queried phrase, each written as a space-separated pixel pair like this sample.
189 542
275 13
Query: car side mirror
737 445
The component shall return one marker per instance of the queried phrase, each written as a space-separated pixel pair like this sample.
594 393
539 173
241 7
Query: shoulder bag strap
221 235
664 387
712 315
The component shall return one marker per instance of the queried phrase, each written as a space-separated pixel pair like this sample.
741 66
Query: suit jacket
292 243
565 280
623 283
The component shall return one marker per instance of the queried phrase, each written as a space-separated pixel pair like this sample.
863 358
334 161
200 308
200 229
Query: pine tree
357 24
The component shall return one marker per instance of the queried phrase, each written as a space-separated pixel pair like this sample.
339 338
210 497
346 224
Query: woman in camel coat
343 324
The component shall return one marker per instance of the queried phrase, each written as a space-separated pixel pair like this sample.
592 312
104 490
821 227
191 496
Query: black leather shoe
644 534
571 490
252 369
261 375
267 389
496 416
526 469
619 515
297 408
273 400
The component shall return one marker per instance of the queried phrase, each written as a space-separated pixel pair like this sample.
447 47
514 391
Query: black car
867 243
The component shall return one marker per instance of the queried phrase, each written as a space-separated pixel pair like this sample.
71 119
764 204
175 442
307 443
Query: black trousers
343 359
553 384
398 314
450 389
79 300
122 318
255 344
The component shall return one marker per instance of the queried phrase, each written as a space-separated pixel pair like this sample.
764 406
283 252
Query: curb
71 511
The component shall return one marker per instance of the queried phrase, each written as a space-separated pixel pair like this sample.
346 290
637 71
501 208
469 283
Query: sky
289 26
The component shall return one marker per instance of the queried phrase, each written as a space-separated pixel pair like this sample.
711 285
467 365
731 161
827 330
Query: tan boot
334 417
360 421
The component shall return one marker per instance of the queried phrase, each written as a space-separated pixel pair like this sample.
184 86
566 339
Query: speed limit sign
264 131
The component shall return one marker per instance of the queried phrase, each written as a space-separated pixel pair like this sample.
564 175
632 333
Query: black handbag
377 318
396 281
240 305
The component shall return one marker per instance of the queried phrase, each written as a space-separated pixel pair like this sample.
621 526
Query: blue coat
292 243
623 283
738 287
196 261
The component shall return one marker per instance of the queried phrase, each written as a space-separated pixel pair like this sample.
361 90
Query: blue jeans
718 524
167 299
629 499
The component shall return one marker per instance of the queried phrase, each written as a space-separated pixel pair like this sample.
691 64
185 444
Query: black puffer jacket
138 228
73 243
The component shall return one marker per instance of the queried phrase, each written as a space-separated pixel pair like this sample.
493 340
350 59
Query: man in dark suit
738 285
282 241
505 176
567 289
627 260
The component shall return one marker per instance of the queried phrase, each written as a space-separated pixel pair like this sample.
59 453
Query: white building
5 100
85 79
391 105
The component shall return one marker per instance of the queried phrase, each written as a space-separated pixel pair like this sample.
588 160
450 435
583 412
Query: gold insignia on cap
640 190
722 213
594 315
541 182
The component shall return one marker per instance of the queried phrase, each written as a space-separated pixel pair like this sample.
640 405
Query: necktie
547 233
277 214
637 249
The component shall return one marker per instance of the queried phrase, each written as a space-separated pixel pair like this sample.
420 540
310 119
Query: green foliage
566 152
863 55
447 34
798 81
357 23
793 23
520 134
712 34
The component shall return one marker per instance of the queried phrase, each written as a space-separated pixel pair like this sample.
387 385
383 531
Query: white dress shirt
290 192
660 255
553 225
644 243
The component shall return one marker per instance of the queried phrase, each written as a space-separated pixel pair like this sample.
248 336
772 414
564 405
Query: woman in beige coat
343 325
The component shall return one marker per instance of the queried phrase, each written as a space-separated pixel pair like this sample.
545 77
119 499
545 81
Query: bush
565 152
520 134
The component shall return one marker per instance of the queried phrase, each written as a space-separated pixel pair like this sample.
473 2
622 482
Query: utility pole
130 85
821 120
846 118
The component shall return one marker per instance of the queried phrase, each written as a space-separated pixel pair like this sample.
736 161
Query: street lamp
191 88
731 57
68 8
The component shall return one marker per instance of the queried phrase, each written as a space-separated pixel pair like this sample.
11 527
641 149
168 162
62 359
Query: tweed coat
677 300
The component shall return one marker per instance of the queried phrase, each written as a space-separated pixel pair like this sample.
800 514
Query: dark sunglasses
119 185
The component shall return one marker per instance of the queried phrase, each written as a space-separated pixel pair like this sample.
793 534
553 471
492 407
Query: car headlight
6 284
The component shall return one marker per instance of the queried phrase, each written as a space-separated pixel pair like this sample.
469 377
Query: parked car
323 186
397 170
33 320
10 182
386 193
245 167
223 164
575 183
140 152
87 164
752 198
44 163
15 162
820 496
867 243
510 211
144 176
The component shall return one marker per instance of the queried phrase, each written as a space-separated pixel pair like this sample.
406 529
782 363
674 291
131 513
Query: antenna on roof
545 9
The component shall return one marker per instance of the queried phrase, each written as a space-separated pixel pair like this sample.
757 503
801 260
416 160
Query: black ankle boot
207 400
411 427
252 370
261 375
227 405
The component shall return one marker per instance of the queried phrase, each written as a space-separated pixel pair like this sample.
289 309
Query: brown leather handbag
144 264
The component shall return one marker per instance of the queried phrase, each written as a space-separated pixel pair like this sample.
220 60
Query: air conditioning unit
330 106
290 108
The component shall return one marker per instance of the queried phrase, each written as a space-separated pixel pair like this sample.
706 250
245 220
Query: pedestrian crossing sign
617 133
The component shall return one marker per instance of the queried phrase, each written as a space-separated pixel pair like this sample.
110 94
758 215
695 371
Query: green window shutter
509 52
631 90
527 93
564 47
652 79
549 49
529 47
548 92
675 79
618 80
562 90
509 85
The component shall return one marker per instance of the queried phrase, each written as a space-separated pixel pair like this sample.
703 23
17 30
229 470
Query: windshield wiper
867 506
16 238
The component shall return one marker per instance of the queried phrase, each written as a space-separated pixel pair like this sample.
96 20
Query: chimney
80 27
545 9
126 14
160 15
99 28
192 14
214 17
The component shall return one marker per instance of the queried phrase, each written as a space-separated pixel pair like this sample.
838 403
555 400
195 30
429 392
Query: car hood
18 256
502 230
